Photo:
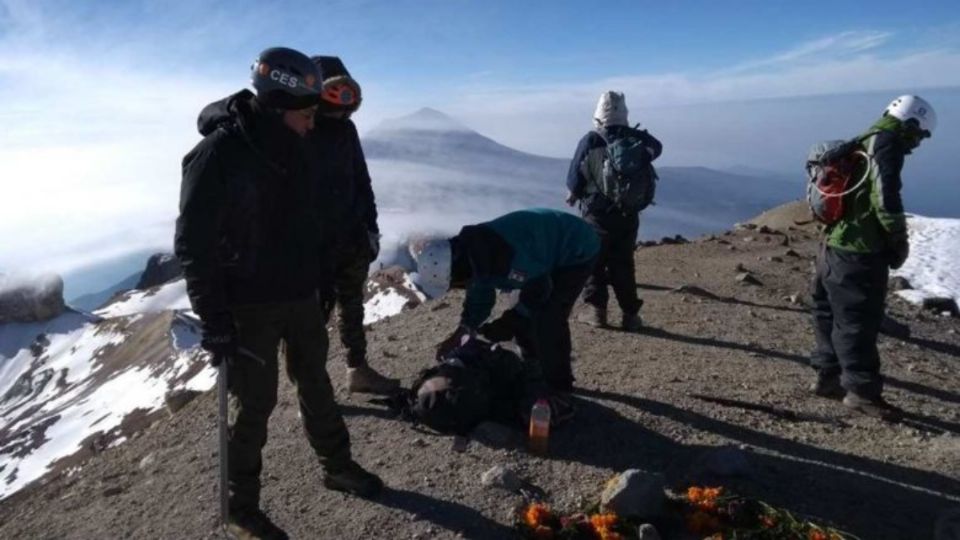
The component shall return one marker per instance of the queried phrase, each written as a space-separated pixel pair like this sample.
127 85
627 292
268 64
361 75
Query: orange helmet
342 92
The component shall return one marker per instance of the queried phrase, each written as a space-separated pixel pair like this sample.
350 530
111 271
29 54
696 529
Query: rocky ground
722 362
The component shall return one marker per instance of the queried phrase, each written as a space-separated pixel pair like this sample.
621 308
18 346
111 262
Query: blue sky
99 99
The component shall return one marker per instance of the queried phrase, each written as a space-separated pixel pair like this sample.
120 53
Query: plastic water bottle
539 427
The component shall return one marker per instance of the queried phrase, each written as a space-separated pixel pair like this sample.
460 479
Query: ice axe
222 368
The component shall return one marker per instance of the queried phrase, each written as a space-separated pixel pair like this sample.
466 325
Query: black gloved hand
455 340
502 329
219 337
899 250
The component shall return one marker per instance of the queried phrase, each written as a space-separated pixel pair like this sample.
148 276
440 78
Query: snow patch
933 268
170 296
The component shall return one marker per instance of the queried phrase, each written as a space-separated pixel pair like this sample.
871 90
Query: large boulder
161 268
30 299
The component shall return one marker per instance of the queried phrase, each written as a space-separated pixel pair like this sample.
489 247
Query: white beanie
611 110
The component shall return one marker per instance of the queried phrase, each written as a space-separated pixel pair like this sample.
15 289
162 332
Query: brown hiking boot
366 380
594 316
876 407
631 323
252 525
828 387
353 479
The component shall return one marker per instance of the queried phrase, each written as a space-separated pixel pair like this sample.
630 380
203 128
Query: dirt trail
721 362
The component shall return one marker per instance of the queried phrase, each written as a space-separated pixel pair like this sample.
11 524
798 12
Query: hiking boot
595 317
252 525
828 387
366 380
876 407
894 328
353 479
562 409
631 323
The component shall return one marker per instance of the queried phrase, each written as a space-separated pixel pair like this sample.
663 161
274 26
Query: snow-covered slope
933 268
77 384
170 296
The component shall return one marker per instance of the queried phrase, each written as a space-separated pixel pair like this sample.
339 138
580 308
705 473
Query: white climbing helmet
434 262
914 108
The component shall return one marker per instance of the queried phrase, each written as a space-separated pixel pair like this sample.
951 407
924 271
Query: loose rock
635 493
501 477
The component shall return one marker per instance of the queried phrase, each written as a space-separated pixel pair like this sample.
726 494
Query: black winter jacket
248 231
346 194
596 204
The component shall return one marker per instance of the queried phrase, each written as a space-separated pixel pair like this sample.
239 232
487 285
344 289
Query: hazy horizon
97 117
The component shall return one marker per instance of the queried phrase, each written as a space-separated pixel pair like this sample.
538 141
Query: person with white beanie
612 179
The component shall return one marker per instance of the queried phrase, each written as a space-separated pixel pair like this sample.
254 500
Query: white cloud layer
96 121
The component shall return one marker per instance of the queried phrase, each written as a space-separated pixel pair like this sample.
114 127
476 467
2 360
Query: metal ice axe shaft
222 393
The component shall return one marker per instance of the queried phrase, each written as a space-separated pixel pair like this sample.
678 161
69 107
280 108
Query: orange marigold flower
537 514
816 534
712 493
610 535
694 494
603 521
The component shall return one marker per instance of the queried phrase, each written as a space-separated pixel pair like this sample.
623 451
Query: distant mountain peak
425 119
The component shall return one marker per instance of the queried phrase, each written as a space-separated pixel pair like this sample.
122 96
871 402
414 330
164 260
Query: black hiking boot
252 525
876 407
353 479
631 323
366 380
828 386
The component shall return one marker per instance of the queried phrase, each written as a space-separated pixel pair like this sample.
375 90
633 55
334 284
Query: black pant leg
621 266
351 275
857 286
823 358
307 346
595 291
551 327
253 395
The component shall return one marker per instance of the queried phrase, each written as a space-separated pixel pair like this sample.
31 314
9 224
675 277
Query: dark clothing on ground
353 263
615 263
617 230
253 390
253 253
545 336
849 292
246 233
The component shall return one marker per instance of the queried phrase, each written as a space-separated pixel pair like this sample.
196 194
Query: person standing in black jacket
617 228
350 210
252 249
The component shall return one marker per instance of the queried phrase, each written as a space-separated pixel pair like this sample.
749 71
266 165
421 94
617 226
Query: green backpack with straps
625 174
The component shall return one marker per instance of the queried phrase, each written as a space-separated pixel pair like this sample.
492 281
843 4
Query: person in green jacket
855 259
544 254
